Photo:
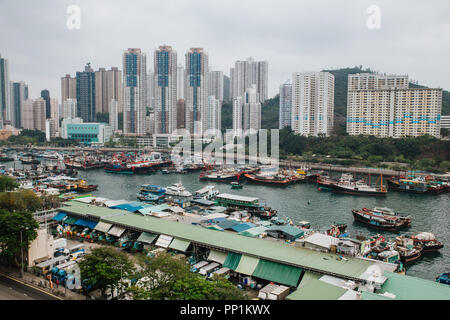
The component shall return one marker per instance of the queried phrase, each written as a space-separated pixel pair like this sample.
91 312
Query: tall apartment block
33 114
68 88
226 88
45 94
196 90
213 114
165 94
284 118
134 91
312 103
180 81
246 73
252 109
18 95
385 106
181 114
86 94
4 91
114 114
215 87
69 108
108 85
237 116
150 90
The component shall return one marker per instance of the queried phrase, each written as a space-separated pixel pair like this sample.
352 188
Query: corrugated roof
236 197
227 224
242 226
247 265
290 230
217 256
253 232
180 245
315 289
278 272
412 288
272 250
147 237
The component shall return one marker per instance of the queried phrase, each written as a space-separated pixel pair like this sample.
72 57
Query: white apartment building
216 85
252 109
385 106
237 116
70 108
312 103
213 114
114 114
246 73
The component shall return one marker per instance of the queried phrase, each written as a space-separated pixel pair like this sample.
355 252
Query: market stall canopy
179 244
232 260
103 226
86 223
217 256
147 237
163 241
60 216
116 231
247 265
277 272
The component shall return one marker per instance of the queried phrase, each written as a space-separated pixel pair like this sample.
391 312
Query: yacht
178 190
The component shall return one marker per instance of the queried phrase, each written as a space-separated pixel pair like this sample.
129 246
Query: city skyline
401 46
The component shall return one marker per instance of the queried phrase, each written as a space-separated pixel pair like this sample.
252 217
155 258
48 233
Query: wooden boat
379 220
427 241
236 185
407 250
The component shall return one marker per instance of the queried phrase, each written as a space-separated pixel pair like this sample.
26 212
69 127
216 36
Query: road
12 289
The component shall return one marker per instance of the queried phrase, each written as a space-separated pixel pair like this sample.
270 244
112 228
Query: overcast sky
291 35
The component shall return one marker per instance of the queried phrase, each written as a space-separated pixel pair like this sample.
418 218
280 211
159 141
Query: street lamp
21 251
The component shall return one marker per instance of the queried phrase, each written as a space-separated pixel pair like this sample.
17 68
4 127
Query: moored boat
379 220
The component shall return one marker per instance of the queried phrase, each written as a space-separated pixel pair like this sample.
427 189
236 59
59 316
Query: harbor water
303 201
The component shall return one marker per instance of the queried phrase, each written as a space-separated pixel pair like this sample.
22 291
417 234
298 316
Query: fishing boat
407 250
225 175
5 158
271 175
235 185
427 241
324 183
150 197
118 167
418 185
347 185
82 186
251 204
379 220
178 190
29 160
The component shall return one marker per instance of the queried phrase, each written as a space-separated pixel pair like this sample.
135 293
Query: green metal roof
307 276
247 265
253 232
157 208
315 289
412 288
373 296
277 272
180 245
84 209
227 241
290 230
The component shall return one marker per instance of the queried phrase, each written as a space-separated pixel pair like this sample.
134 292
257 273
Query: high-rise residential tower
213 114
33 114
18 95
180 82
4 90
285 105
108 85
252 109
69 108
216 85
385 106
114 114
45 94
68 88
165 93
134 91
86 94
237 116
312 103
196 89
246 73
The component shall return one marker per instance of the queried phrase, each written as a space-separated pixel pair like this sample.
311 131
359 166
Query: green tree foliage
168 277
104 268
7 183
369 148
17 231
27 136
25 200
61 142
